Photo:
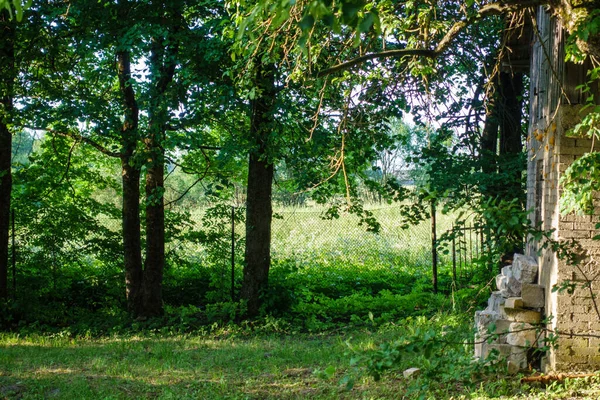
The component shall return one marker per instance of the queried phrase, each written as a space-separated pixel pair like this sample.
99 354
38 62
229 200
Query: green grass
194 367
228 365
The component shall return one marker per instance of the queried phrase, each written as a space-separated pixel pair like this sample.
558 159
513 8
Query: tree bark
162 63
7 77
259 211
131 231
130 175
151 294
489 137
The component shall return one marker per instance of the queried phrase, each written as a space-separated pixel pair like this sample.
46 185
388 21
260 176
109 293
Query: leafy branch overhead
384 29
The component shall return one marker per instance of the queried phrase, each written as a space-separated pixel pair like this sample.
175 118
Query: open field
302 234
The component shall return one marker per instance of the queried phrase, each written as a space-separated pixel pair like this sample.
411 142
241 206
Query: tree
8 75
306 127
259 210
132 113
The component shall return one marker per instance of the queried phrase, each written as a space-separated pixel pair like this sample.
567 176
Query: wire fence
301 237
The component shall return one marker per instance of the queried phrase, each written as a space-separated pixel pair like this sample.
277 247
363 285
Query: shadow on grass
177 368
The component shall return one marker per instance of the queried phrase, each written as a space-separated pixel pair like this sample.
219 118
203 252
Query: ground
225 365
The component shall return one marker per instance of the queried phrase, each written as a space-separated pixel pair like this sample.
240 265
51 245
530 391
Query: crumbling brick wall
555 105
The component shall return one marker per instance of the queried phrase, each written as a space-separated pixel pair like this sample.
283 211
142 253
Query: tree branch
498 8
79 138
372 56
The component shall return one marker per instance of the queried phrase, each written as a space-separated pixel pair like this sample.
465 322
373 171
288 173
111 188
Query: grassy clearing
303 233
195 367
227 365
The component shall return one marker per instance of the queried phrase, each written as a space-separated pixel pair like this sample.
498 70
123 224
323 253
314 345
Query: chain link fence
302 239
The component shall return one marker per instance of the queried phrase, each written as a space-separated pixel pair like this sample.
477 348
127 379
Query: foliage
436 347
18 5
580 180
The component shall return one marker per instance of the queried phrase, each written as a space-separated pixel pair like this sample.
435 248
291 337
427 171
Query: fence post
453 255
14 257
232 253
434 248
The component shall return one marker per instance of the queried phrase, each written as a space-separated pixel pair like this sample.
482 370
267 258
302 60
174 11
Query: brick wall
554 110
577 312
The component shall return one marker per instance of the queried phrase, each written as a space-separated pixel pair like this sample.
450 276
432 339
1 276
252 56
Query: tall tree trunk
489 137
259 211
131 231
151 295
7 76
511 145
162 64
130 175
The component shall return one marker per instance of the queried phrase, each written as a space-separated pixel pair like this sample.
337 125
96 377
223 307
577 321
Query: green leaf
307 22
366 22
330 371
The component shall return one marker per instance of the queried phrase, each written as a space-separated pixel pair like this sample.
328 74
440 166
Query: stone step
514 302
521 315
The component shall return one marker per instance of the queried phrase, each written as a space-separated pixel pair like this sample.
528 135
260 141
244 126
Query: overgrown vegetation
150 153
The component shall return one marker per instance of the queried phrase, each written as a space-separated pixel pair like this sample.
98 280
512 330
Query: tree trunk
7 76
131 185
511 145
151 294
489 137
131 232
162 63
259 210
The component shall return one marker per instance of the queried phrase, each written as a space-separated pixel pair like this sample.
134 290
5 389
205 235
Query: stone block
522 335
503 350
495 301
569 343
519 357
502 326
514 302
411 372
502 313
501 282
519 315
496 330
483 321
513 287
507 271
479 347
524 268
512 368
533 295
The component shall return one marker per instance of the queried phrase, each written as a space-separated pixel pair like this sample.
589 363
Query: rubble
507 325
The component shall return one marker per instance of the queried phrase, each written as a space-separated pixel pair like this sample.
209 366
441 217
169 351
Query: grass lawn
224 366
194 367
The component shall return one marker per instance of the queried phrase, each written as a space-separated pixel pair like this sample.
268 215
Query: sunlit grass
175 367
224 366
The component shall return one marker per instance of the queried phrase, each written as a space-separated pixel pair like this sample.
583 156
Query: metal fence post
232 253
14 257
453 254
434 248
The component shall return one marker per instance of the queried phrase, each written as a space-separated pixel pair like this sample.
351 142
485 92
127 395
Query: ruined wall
575 313
543 163
555 103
